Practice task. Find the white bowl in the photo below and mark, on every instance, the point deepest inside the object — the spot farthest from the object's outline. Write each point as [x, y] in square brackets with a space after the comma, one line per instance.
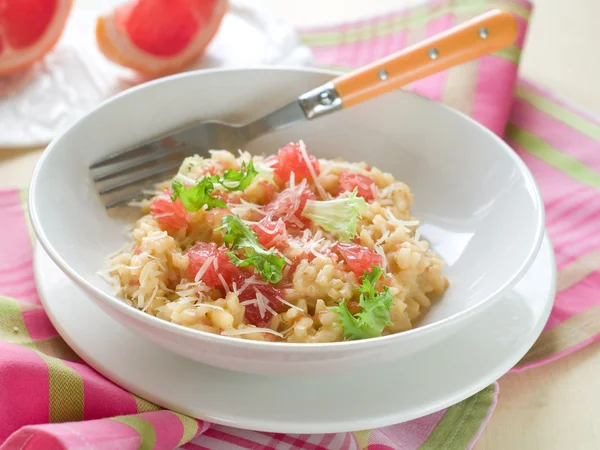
[478, 204]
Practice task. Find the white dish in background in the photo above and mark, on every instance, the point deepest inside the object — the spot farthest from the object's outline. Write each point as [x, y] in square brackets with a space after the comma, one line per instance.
[417, 385]
[478, 203]
[39, 104]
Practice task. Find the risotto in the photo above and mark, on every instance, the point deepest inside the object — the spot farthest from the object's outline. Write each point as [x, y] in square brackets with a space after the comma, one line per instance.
[287, 248]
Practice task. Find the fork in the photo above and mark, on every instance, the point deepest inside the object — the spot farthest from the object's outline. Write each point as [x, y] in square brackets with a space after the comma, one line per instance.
[122, 176]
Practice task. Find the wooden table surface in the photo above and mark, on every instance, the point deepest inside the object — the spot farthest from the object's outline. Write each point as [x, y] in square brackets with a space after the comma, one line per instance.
[554, 406]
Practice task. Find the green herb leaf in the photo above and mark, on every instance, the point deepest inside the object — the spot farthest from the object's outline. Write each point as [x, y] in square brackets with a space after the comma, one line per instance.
[338, 216]
[375, 314]
[238, 180]
[195, 197]
[238, 236]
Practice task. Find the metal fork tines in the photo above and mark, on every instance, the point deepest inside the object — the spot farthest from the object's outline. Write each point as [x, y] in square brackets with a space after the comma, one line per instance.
[122, 176]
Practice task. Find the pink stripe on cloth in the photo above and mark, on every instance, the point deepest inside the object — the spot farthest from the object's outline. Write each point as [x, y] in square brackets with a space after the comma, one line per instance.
[433, 86]
[16, 249]
[557, 189]
[558, 355]
[345, 55]
[496, 80]
[571, 202]
[38, 325]
[102, 397]
[554, 185]
[557, 134]
[574, 300]
[24, 389]
[167, 426]
[354, 24]
[408, 435]
[90, 435]
[522, 31]
[232, 437]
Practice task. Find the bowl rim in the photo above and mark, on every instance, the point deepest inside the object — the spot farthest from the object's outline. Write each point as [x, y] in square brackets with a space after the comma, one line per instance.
[150, 320]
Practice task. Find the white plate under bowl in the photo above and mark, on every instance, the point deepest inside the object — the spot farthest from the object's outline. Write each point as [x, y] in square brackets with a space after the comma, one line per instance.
[412, 387]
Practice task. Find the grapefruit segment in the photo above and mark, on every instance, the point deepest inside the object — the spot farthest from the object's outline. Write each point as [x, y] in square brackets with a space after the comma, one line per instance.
[158, 37]
[28, 30]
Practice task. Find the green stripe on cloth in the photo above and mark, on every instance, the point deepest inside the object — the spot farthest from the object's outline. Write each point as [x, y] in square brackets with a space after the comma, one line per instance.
[144, 405]
[362, 438]
[13, 330]
[143, 427]
[512, 53]
[66, 391]
[24, 197]
[416, 18]
[573, 331]
[190, 428]
[66, 385]
[539, 148]
[12, 326]
[461, 422]
[570, 118]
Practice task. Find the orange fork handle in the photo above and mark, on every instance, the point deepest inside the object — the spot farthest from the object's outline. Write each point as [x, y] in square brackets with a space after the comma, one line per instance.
[484, 34]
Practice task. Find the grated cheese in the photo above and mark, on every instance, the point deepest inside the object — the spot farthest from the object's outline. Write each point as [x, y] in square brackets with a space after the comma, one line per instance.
[271, 310]
[155, 236]
[222, 280]
[245, 207]
[316, 245]
[379, 250]
[311, 169]
[248, 282]
[388, 190]
[208, 305]
[288, 303]
[279, 253]
[374, 190]
[261, 302]
[203, 268]
[250, 331]
[149, 302]
[327, 165]
[166, 214]
[400, 223]
[384, 237]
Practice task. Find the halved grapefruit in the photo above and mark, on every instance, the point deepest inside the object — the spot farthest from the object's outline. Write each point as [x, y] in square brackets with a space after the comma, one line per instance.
[28, 30]
[158, 37]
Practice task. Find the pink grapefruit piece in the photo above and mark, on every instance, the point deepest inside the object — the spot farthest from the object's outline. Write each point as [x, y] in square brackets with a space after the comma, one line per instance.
[28, 30]
[158, 37]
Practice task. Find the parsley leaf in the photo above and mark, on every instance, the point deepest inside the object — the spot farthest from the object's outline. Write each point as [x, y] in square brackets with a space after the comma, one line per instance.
[375, 314]
[195, 197]
[238, 180]
[237, 236]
